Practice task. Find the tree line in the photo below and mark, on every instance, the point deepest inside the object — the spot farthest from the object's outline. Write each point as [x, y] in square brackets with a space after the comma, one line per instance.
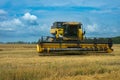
[18, 42]
[116, 40]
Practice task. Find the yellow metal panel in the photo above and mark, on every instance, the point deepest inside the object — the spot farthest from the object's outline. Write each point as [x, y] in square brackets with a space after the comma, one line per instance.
[80, 34]
[72, 23]
[57, 32]
[53, 31]
[39, 49]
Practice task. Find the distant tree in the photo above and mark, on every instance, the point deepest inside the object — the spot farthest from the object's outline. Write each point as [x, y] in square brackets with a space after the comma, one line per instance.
[33, 42]
[1, 42]
[116, 40]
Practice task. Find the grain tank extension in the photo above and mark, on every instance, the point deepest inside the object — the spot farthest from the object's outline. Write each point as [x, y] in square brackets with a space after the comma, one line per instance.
[69, 36]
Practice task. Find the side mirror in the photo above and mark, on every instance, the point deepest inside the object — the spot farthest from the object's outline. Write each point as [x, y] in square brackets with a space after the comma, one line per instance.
[84, 33]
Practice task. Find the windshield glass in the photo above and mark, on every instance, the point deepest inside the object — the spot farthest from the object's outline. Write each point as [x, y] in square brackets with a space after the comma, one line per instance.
[70, 30]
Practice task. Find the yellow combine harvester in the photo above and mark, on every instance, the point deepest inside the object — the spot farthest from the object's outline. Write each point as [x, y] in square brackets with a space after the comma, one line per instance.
[69, 37]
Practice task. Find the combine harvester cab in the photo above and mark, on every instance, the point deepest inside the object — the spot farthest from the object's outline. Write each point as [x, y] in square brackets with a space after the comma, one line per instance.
[69, 37]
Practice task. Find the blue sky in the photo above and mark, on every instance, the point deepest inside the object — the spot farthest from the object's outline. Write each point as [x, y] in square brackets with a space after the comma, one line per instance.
[27, 20]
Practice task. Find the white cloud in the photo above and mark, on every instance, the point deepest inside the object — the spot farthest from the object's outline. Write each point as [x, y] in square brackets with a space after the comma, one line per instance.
[28, 16]
[2, 11]
[92, 28]
[10, 24]
[44, 27]
[17, 22]
[14, 22]
[106, 11]
[6, 29]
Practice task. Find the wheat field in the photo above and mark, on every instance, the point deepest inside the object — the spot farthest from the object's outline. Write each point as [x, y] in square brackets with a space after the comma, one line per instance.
[22, 62]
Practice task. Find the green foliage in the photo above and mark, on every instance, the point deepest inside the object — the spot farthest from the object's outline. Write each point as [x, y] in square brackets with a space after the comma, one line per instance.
[20, 42]
[116, 40]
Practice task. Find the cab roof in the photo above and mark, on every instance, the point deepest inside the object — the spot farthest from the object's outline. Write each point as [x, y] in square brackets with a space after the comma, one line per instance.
[72, 23]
